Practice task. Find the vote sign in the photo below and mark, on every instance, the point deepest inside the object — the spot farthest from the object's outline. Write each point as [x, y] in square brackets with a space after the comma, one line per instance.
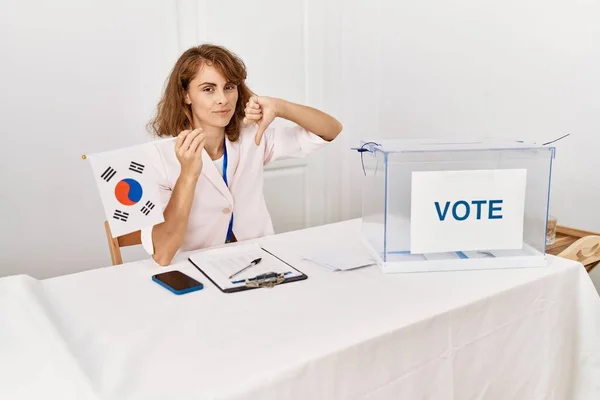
[467, 210]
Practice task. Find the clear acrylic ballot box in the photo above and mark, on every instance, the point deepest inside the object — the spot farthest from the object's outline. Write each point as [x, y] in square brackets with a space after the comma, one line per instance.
[433, 205]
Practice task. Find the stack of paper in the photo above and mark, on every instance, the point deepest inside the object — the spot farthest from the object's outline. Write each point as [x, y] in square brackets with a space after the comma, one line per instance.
[340, 256]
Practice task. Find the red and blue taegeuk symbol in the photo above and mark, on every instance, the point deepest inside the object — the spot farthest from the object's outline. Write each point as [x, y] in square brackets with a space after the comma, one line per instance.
[128, 191]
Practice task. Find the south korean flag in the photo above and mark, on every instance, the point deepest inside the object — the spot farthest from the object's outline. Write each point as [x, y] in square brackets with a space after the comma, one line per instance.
[128, 188]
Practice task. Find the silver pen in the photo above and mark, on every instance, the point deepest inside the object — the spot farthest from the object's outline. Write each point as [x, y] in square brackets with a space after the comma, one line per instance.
[253, 263]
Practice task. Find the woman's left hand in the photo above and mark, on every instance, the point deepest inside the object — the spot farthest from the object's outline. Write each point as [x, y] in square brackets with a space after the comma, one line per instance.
[262, 111]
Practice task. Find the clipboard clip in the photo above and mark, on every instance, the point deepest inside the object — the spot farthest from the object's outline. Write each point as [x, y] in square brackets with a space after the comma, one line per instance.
[267, 280]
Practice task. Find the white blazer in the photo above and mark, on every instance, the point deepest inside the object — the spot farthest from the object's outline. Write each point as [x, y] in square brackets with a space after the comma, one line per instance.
[214, 201]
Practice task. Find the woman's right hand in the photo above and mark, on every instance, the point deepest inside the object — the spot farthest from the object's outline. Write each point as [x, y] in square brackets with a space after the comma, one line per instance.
[188, 148]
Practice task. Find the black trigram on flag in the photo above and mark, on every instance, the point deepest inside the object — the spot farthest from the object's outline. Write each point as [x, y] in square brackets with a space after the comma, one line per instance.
[108, 174]
[147, 208]
[136, 167]
[121, 215]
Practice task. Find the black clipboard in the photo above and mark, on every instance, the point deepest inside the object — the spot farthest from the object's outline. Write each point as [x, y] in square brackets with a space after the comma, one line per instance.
[236, 289]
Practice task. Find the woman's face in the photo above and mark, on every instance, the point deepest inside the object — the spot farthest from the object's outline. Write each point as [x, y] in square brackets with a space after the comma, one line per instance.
[212, 98]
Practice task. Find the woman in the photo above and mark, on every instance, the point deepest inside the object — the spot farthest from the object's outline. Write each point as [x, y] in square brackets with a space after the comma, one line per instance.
[211, 176]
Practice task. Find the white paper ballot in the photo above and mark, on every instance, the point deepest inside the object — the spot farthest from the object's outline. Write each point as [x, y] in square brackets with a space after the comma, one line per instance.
[340, 256]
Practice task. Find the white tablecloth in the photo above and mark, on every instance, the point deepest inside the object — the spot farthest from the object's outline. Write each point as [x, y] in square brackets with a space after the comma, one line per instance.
[112, 333]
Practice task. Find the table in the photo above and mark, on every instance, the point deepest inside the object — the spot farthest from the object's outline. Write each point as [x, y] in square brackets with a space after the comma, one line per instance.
[112, 333]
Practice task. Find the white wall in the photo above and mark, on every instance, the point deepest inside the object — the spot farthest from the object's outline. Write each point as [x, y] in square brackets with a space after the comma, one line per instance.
[525, 69]
[75, 76]
[84, 76]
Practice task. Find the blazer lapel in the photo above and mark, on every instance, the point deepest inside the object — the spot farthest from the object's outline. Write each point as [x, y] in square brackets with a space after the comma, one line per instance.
[209, 170]
[233, 160]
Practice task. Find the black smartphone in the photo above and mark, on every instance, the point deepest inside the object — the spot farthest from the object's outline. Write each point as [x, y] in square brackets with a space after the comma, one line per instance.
[177, 282]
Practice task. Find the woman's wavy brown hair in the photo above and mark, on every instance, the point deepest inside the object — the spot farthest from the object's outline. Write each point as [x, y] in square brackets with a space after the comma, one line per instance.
[174, 116]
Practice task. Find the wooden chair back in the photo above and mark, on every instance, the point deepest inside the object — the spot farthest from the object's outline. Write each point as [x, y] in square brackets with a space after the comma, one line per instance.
[585, 250]
[115, 244]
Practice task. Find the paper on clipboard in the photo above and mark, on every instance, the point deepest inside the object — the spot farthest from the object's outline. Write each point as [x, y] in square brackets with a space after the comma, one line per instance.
[219, 264]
